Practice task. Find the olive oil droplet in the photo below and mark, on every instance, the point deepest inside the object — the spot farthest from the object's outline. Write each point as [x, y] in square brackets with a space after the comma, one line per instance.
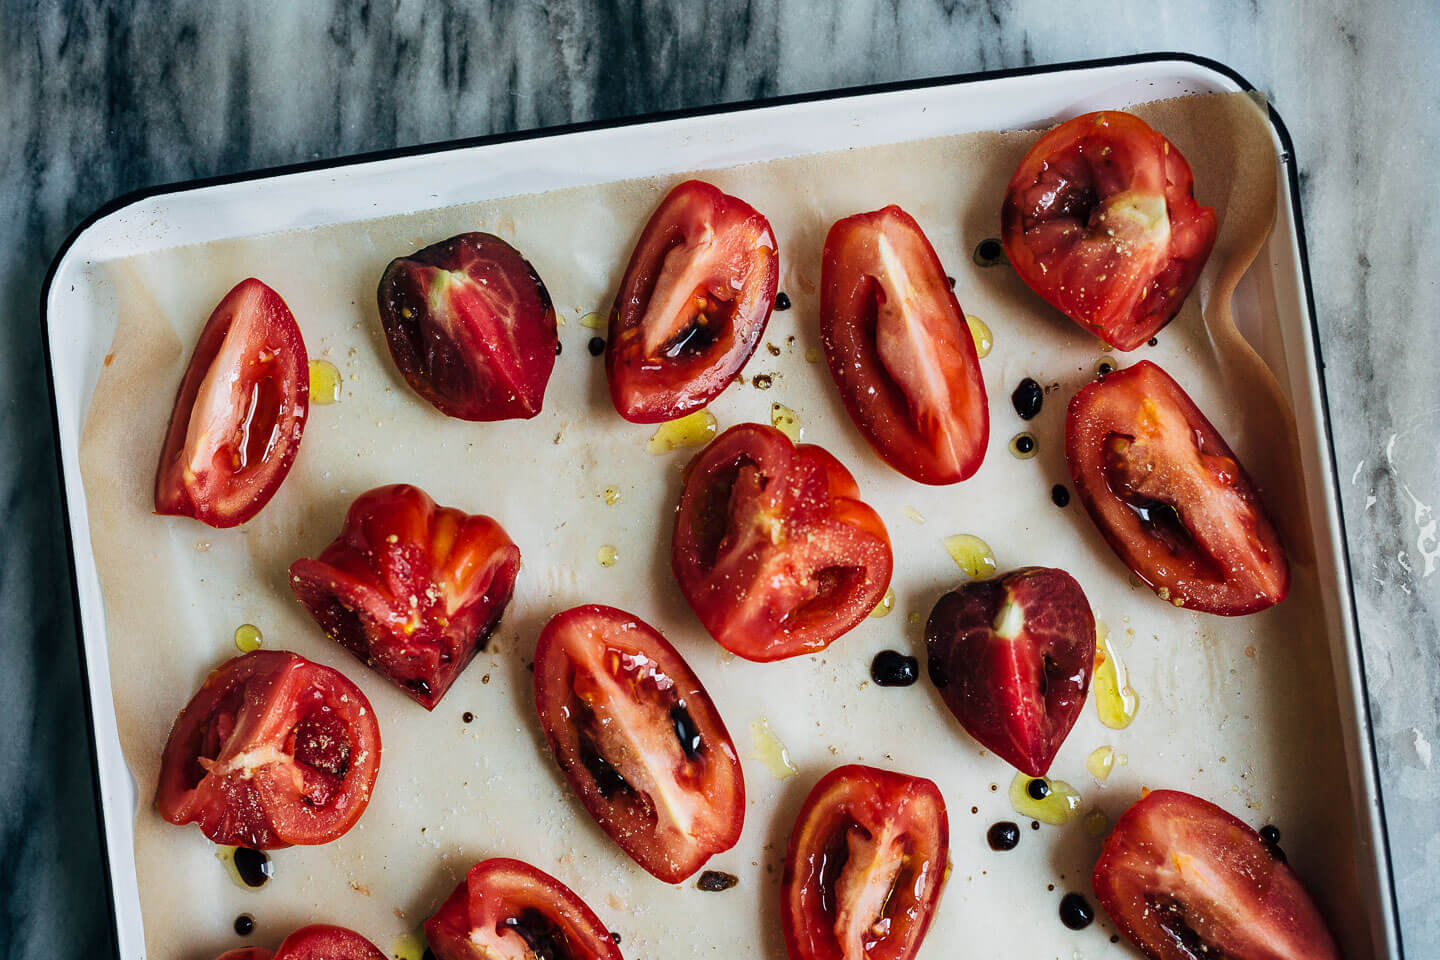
[1096, 824]
[912, 514]
[971, 554]
[1115, 700]
[980, 331]
[772, 752]
[607, 555]
[813, 355]
[787, 421]
[1059, 805]
[694, 430]
[1100, 762]
[611, 495]
[886, 604]
[324, 382]
[408, 946]
[593, 321]
[248, 637]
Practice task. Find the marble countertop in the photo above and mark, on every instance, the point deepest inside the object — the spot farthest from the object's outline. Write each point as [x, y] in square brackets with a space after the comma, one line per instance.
[102, 99]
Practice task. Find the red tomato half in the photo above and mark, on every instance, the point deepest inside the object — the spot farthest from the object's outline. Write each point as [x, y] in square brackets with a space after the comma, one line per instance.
[692, 305]
[239, 412]
[1169, 495]
[272, 750]
[508, 910]
[411, 588]
[639, 739]
[1100, 219]
[247, 953]
[1182, 879]
[321, 941]
[773, 548]
[865, 865]
[899, 348]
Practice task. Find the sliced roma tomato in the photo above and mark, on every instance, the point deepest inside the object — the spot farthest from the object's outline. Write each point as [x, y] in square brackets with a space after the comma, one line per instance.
[471, 327]
[899, 348]
[867, 858]
[1100, 219]
[1183, 879]
[321, 941]
[1012, 659]
[239, 412]
[692, 304]
[272, 750]
[413, 589]
[1169, 495]
[773, 548]
[508, 910]
[639, 739]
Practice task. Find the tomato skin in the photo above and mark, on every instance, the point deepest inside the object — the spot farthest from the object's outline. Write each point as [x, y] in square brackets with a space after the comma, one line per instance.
[272, 750]
[411, 588]
[894, 835]
[247, 953]
[1100, 220]
[700, 246]
[904, 359]
[773, 549]
[1178, 872]
[249, 378]
[611, 673]
[1142, 454]
[322, 941]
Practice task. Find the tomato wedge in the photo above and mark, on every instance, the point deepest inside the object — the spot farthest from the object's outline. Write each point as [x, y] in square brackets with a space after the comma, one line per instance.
[773, 548]
[1183, 879]
[1170, 496]
[239, 413]
[413, 589]
[866, 861]
[899, 349]
[1100, 219]
[508, 910]
[692, 304]
[272, 750]
[639, 739]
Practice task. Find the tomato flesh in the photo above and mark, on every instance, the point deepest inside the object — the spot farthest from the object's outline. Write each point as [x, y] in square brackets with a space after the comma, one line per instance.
[322, 941]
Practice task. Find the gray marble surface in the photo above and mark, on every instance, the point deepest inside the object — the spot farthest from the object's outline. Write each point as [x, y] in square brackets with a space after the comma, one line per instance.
[103, 98]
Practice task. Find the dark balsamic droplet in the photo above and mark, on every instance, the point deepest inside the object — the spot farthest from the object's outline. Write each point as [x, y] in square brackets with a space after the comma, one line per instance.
[989, 252]
[890, 668]
[614, 937]
[1075, 911]
[558, 347]
[429, 955]
[713, 881]
[951, 281]
[1004, 835]
[467, 716]
[254, 866]
[1060, 495]
[244, 925]
[1034, 824]
[597, 346]
[1028, 398]
[761, 381]
[1270, 833]
[782, 301]
[1153, 341]
[1038, 789]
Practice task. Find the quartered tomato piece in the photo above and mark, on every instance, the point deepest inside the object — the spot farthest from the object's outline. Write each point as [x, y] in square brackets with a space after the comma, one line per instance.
[692, 304]
[773, 548]
[239, 413]
[272, 750]
[867, 858]
[1169, 495]
[639, 739]
[1012, 659]
[471, 327]
[1183, 879]
[899, 349]
[508, 910]
[1100, 219]
[411, 588]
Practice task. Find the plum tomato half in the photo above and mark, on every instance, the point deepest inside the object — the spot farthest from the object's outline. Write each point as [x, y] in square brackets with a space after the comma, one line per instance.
[773, 548]
[239, 413]
[639, 739]
[899, 348]
[692, 304]
[865, 865]
[471, 327]
[1100, 220]
[1169, 495]
[272, 750]
[411, 588]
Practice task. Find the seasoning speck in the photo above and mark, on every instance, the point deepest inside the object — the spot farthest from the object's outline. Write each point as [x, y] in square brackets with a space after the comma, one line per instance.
[762, 381]
[713, 881]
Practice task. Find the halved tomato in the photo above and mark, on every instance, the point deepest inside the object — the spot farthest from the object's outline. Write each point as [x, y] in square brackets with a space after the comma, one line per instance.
[639, 739]
[508, 910]
[692, 304]
[865, 865]
[1183, 879]
[247, 953]
[239, 413]
[773, 548]
[1169, 495]
[899, 349]
[322, 941]
[1100, 219]
[272, 750]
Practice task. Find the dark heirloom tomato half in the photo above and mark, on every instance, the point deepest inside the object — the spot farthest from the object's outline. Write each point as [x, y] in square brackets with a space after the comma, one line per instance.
[692, 304]
[867, 858]
[1183, 879]
[239, 413]
[272, 750]
[508, 910]
[773, 548]
[411, 588]
[471, 327]
[639, 739]
[1169, 495]
[1100, 219]
[899, 349]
